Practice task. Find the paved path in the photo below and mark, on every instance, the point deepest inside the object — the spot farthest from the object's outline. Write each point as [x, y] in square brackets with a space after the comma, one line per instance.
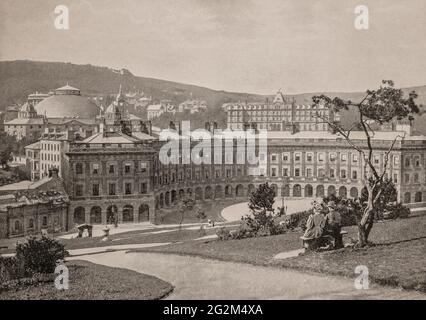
[236, 211]
[197, 278]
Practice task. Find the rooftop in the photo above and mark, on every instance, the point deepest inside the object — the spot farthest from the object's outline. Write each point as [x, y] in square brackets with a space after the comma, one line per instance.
[110, 137]
[35, 146]
[25, 121]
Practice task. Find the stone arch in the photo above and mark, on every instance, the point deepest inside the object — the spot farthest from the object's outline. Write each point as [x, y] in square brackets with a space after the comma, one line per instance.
[275, 188]
[208, 193]
[198, 193]
[285, 191]
[353, 192]
[157, 204]
[218, 192]
[251, 188]
[112, 213]
[239, 190]
[174, 196]
[79, 215]
[17, 225]
[343, 192]
[320, 191]
[143, 213]
[181, 194]
[167, 198]
[407, 197]
[95, 215]
[161, 200]
[418, 197]
[297, 190]
[128, 213]
[331, 190]
[309, 191]
[228, 191]
[189, 192]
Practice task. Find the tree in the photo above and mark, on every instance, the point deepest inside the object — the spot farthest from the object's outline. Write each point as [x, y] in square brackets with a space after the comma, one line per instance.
[382, 106]
[261, 206]
[186, 204]
[201, 215]
[5, 156]
[262, 199]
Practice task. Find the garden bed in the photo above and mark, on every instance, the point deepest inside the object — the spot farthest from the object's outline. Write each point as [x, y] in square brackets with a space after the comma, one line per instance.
[92, 281]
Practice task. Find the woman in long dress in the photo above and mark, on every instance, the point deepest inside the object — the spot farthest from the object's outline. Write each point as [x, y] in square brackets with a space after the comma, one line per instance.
[315, 224]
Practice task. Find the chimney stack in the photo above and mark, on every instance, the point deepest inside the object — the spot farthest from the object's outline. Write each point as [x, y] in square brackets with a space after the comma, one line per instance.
[102, 127]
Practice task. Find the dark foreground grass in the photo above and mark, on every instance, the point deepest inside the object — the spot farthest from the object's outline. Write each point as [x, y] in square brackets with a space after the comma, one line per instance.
[397, 259]
[96, 282]
[400, 264]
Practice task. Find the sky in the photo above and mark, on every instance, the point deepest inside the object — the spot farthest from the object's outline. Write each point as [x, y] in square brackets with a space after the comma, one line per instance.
[256, 46]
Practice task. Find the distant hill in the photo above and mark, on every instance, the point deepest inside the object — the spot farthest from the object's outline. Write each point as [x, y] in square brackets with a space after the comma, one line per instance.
[22, 77]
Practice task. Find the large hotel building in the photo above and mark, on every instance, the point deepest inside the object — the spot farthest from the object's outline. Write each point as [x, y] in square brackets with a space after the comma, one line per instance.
[278, 115]
[117, 172]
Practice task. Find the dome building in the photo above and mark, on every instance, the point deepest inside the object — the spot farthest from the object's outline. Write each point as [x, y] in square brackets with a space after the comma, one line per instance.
[67, 102]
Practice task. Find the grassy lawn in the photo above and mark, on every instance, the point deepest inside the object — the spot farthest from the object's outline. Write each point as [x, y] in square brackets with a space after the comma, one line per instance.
[92, 281]
[133, 238]
[397, 259]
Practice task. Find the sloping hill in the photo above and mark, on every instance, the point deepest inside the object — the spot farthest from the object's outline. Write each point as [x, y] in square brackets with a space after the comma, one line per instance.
[20, 78]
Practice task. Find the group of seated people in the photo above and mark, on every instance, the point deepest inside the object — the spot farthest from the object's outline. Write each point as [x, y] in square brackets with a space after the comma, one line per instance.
[324, 223]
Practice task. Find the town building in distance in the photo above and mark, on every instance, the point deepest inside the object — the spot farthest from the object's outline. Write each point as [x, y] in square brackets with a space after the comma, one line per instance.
[278, 115]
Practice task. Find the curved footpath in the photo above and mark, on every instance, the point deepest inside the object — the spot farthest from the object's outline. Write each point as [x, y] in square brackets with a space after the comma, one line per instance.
[199, 278]
[236, 211]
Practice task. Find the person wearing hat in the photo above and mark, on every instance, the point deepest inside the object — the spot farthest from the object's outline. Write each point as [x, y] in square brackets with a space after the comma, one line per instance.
[334, 224]
[315, 225]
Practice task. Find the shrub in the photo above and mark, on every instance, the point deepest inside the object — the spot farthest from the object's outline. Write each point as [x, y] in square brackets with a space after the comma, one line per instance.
[397, 211]
[297, 220]
[10, 269]
[223, 234]
[40, 255]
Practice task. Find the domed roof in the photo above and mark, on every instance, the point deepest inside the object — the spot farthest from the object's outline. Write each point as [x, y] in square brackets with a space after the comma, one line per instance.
[70, 106]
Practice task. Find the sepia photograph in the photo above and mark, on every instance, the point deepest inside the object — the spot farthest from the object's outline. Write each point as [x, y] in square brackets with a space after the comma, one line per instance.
[211, 155]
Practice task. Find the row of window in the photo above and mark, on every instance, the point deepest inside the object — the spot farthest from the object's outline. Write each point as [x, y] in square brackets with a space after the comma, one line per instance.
[50, 146]
[309, 157]
[416, 162]
[112, 189]
[165, 178]
[50, 157]
[111, 168]
[18, 224]
[415, 178]
[321, 173]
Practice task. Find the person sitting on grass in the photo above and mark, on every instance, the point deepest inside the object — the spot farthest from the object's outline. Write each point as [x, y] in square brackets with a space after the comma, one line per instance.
[315, 224]
[334, 224]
